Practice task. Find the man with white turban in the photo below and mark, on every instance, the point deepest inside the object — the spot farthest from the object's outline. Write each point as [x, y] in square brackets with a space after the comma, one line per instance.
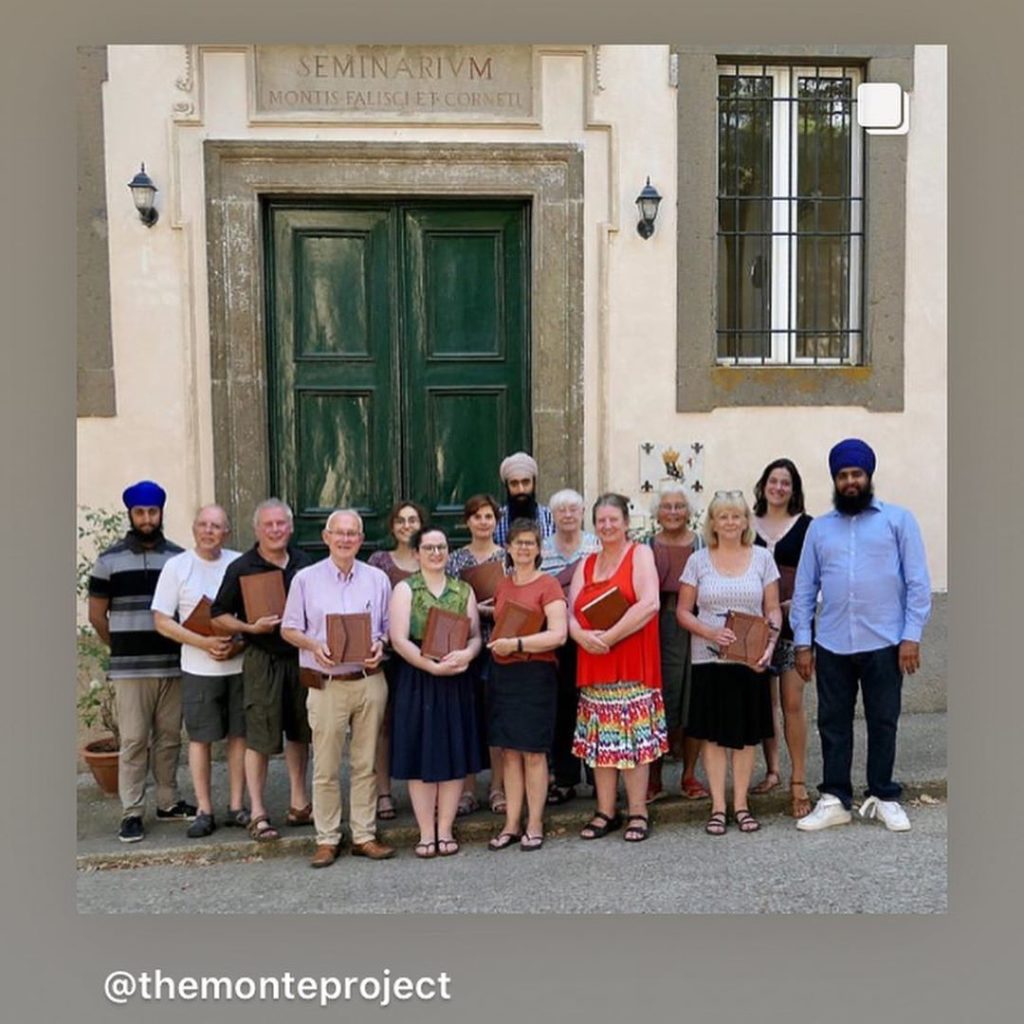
[518, 473]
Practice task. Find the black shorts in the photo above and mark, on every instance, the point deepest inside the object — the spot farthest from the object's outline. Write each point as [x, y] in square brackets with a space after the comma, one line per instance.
[212, 706]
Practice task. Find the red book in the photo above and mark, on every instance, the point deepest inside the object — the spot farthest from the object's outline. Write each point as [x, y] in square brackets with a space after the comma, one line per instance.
[604, 611]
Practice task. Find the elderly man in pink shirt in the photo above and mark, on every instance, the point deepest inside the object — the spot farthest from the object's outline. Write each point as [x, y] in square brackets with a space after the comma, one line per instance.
[341, 696]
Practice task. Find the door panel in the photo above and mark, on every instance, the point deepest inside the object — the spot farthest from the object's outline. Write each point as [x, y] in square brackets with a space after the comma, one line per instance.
[466, 354]
[398, 355]
[458, 421]
[332, 382]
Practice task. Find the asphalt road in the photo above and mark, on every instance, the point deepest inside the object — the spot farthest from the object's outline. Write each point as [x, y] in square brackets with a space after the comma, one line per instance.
[859, 868]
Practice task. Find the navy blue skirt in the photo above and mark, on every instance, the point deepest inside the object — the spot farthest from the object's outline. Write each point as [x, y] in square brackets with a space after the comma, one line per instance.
[435, 735]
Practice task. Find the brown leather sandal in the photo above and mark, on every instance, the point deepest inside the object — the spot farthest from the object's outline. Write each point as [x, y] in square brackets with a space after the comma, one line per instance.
[298, 816]
[800, 806]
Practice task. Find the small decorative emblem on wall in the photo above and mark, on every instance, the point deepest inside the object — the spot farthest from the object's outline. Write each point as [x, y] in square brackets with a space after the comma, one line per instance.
[683, 463]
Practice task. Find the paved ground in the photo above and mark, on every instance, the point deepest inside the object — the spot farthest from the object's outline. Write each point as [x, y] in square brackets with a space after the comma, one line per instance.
[860, 868]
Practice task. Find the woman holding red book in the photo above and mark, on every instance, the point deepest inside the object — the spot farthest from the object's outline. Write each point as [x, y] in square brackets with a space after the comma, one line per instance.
[620, 724]
[523, 685]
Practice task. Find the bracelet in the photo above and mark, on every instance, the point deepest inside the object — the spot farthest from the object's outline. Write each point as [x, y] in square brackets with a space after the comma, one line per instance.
[519, 645]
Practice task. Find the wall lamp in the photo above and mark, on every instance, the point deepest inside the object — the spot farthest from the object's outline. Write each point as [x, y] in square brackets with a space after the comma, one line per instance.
[144, 194]
[647, 203]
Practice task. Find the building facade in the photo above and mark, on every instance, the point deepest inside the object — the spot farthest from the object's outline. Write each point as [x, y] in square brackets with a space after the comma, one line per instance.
[378, 269]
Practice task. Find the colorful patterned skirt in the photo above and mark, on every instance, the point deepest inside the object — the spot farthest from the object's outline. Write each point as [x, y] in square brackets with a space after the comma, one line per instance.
[620, 725]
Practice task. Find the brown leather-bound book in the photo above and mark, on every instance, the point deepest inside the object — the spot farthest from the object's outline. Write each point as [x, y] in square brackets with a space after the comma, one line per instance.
[484, 578]
[787, 578]
[670, 560]
[752, 635]
[199, 620]
[445, 632]
[517, 620]
[263, 594]
[604, 611]
[349, 637]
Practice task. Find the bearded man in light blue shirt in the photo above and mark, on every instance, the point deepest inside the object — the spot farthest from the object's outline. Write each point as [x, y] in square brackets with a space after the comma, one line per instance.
[867, 560]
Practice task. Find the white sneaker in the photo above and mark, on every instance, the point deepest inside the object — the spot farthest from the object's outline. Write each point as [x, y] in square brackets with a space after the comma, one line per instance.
[828, 811]
[892, 814]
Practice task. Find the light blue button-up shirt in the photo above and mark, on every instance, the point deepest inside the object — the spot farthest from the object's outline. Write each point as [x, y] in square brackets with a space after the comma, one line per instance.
[873, 577]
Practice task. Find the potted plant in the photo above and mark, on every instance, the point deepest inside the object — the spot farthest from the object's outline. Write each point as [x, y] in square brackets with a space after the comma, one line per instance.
[96, 704]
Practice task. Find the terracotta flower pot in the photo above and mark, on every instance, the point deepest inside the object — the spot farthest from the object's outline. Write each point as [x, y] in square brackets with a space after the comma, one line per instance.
[102, 758]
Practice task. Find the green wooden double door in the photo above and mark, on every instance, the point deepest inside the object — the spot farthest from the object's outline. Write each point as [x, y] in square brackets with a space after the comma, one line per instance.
[398, 362]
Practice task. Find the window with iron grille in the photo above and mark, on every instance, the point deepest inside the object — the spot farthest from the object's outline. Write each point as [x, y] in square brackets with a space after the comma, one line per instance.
[790, 215]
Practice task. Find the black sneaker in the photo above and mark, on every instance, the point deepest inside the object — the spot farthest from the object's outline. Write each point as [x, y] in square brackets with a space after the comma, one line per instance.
[131, 830]
[181, 811]
[202, 826]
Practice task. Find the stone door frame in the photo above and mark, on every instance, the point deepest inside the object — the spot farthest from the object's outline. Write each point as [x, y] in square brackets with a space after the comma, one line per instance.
[239, 173]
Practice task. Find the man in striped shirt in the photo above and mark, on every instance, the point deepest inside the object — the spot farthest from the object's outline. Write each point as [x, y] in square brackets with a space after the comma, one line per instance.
[144, 666]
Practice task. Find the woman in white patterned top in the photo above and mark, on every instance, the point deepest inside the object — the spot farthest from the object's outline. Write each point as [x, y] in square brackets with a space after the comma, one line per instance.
[730, 704]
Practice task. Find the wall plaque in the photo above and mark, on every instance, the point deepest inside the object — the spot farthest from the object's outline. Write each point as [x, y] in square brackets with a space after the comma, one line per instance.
[393, 82]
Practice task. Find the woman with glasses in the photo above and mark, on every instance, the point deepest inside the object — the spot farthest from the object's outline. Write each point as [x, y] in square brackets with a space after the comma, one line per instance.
[780, 523]
[730, 704]
[673, 544]
[435, 742]
[620, 725]
[560, 552]
[522, 689]
[404, 519]
[480, 514]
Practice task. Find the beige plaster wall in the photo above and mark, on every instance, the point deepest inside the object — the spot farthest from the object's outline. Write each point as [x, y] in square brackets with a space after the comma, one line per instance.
[159, 110]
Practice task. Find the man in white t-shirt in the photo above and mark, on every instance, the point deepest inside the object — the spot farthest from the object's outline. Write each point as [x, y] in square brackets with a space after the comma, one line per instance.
[211, 665]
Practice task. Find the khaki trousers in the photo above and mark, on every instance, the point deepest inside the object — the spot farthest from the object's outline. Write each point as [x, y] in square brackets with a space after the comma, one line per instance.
[358, 703]
[149, 715]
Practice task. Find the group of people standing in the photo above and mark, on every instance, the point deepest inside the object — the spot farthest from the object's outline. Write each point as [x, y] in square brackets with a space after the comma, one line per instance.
[622, 667]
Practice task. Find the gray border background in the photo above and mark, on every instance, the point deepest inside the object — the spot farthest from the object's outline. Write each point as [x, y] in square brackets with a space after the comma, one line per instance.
[954, 967]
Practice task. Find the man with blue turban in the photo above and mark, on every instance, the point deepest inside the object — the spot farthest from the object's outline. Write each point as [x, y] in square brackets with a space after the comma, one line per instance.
[867, 560]
[144, 666]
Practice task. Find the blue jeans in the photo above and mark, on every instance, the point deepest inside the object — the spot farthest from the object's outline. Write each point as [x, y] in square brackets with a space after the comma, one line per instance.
[881, 682]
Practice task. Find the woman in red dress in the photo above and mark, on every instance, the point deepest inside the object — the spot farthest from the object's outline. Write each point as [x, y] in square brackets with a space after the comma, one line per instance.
[620, 724]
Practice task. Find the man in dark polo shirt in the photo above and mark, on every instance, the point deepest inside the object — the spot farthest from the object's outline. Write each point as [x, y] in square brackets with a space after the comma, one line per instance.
[144, 666]
[275, 701]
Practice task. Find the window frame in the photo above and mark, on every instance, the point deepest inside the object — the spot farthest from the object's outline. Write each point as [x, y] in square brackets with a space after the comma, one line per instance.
[703, 384]
[785, 239]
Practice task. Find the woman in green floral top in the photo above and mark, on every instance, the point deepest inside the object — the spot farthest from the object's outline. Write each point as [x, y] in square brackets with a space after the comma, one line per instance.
[435, 740]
